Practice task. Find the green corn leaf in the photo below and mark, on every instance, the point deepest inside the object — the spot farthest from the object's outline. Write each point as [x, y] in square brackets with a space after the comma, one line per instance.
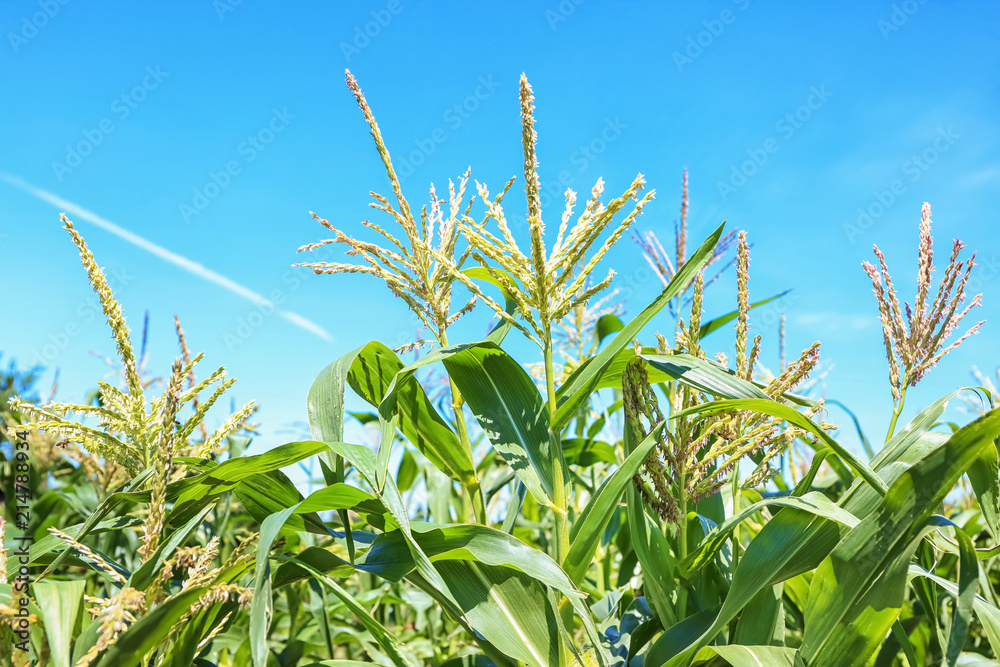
[585, 452]
[739, 655]
[762, 621]
[811, 503]
[506, 403]
[582, 383]
[987, 614]
[468, 661]
[480, 544]
[94, 519]
[50, 543]
[264, 494]
[700, 374]
[855, 590]
[606, 325]
[371, 372]
[59, 605]
[792, 542]
[192, 495]
[985, 478]
[585, 535]
[261, 607]
[968, 580]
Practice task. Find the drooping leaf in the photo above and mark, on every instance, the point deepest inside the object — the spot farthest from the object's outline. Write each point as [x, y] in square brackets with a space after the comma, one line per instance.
[507, 405]
[580, 385]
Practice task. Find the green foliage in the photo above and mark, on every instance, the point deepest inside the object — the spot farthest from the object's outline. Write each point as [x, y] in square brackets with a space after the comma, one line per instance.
[637, 505]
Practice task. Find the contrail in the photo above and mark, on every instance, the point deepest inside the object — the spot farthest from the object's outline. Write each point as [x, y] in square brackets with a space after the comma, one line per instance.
[184, 263]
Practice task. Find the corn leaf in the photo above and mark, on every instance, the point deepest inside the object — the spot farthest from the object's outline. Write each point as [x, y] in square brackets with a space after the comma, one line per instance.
[857, 590]
[582, 383]
[59, 605]
[585, 535]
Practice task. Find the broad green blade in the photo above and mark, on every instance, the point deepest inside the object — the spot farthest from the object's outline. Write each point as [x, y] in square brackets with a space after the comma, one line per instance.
[856, 590]
[585, 535]
[581, 384]
[909, 435]
[472, 542]
[468, 661]
[50, 543]
[102, 511]
[739, 655]
[701, 374]
[506, 403]
[985, 478]
[812, 503]
[372, 375]
[192, 495]
[262, 606]
[988, 614]
[709, 377]
[792, 542]
[968, 581]
[762, 621]
[606, 325]
[264, 494]
[510, 609]
[461, 593]
[59, 605]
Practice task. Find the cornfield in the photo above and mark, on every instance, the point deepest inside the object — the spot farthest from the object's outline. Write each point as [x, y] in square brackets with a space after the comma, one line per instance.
[627, 497]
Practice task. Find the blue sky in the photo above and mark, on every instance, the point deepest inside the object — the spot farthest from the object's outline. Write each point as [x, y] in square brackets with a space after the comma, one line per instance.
[207, 131]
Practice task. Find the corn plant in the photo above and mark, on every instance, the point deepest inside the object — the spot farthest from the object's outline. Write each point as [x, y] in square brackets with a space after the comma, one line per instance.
[607, 502]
